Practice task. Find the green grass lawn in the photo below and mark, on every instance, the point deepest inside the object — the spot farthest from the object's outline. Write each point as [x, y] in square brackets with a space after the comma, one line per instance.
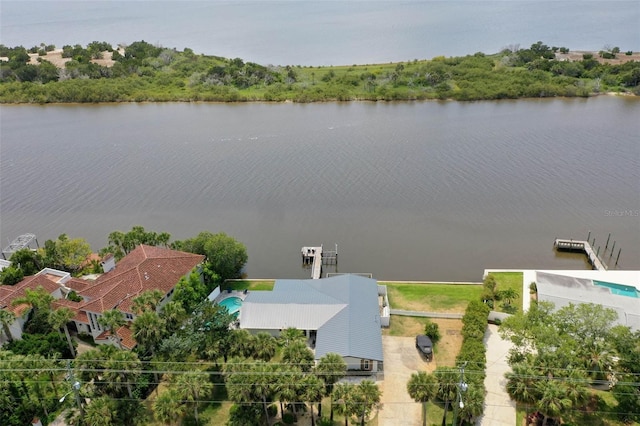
[257, 285]
[432, 297]
[511, 280]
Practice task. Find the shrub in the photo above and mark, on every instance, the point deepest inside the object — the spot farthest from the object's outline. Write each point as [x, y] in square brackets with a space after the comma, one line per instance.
[432, 330]
[533, 287]
[288, 418]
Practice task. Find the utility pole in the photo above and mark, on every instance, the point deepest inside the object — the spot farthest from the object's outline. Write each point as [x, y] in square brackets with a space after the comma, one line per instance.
[76, 389]
[462, 387]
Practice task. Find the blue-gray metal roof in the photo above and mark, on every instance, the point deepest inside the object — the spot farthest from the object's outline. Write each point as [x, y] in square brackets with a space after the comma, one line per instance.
[562, 290]
[343, 309]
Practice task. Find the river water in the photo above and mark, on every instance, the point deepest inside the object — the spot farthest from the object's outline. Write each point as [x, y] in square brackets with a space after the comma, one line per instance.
[415, 190]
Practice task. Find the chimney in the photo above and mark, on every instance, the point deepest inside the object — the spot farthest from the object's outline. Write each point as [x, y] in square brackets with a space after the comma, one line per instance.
[108, 263]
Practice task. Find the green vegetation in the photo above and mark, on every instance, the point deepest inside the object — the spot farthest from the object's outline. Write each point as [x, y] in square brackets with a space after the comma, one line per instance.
[149, 73]
[557, 357]
[505, 287]
[431, 297]
[253, 285]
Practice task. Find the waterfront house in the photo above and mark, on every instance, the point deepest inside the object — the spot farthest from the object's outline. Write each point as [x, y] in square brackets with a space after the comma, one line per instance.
[144, 268]
[340, 314]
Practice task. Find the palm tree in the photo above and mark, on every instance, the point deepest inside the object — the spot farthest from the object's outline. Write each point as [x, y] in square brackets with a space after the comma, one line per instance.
[508, 294]
[423, 387]
[112, 320]
[312, 388]
[264, 384]
[241, 343]
[121, 370]
[100, 412]
[553, 399]
[173, 314]
[192, 386]
[7, 318]
[290, 335]
[575, 385]
[40, 302]
[148, 330]
[59, 319]
[148, 300]
[367, 397]
[330, 368]
[297, 353]
[521, 383]
[343, 395]
[598, 359]
[473, 403]
[168, 407]
[264, 346]
[287, 387]
[447, 388]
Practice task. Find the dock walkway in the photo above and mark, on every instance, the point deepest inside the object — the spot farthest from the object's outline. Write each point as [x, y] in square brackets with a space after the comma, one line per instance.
[313, 255]
[581, 246]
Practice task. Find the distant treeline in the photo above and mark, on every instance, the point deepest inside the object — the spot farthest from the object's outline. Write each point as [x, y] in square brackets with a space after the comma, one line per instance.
[149, 73]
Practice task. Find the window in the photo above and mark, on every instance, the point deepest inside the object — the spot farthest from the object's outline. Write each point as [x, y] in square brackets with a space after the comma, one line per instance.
[365, 364]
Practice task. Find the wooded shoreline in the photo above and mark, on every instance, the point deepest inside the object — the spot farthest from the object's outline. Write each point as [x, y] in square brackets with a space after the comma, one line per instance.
[142, 72]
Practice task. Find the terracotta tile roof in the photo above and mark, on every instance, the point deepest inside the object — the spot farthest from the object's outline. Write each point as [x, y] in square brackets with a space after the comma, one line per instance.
[9, 293]
[145, 268]
[77, 307]
[124, 333]
[78, 285]
[126, 337]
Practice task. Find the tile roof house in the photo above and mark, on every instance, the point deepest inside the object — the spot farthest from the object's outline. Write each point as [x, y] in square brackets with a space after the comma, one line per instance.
[144, 268]
[8, 293]
[341, 313]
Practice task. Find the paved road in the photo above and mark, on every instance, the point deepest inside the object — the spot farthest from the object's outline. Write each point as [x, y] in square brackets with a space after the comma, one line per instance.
[401, 359]
[499, 410]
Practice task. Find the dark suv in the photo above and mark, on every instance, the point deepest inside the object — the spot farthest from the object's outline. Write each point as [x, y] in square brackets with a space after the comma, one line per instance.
[424, 345]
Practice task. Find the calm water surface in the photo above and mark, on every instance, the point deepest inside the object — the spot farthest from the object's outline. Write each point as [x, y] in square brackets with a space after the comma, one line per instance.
[433, 190]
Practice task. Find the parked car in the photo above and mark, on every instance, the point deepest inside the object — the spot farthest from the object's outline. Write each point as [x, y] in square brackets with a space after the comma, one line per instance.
[425, 346]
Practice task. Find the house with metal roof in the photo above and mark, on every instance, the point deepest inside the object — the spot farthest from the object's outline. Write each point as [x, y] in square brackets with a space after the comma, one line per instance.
[617, 291]
[340, 314]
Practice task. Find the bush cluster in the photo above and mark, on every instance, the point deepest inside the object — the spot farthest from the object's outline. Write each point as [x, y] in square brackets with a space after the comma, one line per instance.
[473, 352]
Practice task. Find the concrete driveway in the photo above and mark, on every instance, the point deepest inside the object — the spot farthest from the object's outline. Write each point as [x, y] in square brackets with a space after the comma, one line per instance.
[499, 410]
[401, 359]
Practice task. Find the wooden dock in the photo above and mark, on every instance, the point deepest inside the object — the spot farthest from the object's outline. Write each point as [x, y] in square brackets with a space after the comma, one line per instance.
[583, 247]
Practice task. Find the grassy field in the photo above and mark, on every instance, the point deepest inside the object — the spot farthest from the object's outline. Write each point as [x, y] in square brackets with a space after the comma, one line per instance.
[432, 297]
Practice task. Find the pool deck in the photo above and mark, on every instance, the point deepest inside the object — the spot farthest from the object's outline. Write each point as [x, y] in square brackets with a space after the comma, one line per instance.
[233, 293]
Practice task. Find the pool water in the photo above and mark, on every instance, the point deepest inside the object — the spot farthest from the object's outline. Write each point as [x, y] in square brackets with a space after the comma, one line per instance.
[619, 289]
[232, 304]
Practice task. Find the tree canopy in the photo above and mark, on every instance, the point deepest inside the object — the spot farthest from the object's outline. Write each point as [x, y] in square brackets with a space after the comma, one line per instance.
[225, 256]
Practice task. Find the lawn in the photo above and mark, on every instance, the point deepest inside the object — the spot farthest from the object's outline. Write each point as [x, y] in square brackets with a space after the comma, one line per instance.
[511, 280]
[432, 297]
[255, 285]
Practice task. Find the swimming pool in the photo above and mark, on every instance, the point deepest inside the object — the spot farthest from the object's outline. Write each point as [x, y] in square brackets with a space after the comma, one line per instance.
[619, 289]
[232, 304]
